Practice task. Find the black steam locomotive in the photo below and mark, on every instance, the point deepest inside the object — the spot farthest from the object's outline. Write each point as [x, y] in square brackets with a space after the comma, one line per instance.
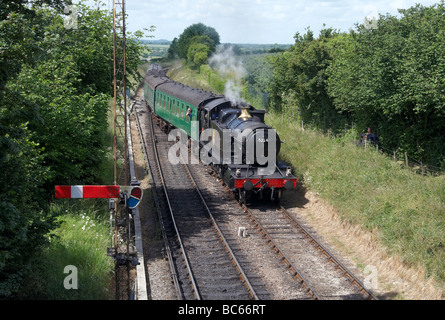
[233, 137]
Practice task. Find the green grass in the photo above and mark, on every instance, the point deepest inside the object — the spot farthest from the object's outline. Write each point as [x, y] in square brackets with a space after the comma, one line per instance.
[205, 78]
[370, 189]
[81, 241]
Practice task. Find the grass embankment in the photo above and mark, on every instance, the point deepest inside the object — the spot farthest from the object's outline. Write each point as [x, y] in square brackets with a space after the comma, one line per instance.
[205, 79]
[406, 210]
[80, 241]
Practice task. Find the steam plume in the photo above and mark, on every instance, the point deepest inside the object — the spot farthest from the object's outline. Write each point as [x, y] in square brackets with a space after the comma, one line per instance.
[229, 66]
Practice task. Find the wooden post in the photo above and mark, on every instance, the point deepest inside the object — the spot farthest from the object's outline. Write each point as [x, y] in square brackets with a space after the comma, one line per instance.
[406, 160]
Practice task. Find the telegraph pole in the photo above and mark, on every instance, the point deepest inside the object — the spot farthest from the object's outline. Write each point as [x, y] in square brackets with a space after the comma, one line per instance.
[120, 144]
[120, 89]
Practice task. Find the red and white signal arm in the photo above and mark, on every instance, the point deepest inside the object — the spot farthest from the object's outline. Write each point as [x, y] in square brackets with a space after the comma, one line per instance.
[133, 194]
[82, 192]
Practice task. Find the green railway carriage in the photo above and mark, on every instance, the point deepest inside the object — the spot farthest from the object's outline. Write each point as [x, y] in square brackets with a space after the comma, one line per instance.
[176, 103]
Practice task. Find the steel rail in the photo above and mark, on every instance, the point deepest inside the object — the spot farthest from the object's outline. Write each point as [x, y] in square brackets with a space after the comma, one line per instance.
[331, 257]
[158, 209]
[243, 276]
[178, 235]
[186, 260]
[297, 273]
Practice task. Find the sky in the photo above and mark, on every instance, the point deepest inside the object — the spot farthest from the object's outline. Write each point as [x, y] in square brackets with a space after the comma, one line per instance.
[255, 21]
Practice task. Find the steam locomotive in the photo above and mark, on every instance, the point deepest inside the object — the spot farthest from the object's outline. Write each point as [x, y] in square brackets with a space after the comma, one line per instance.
[232, 136]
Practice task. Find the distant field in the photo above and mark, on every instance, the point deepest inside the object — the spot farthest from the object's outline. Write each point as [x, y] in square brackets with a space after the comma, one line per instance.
[156, 51]
[258, 48]
[159, 50]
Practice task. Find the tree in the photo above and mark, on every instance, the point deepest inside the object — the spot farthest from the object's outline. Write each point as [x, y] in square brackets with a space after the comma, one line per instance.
[54, 91]
[199, 49]
[172, 52]
[391, 79]
[23, 220]
[300, 74]
[198, 54]
[187, 38]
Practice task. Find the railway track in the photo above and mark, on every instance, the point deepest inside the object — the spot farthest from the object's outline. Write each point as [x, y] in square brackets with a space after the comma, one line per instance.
[210, 260]
[328, 277]
[209, 269]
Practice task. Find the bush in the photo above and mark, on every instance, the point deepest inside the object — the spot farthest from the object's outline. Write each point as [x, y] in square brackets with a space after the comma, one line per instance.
[214, 80]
